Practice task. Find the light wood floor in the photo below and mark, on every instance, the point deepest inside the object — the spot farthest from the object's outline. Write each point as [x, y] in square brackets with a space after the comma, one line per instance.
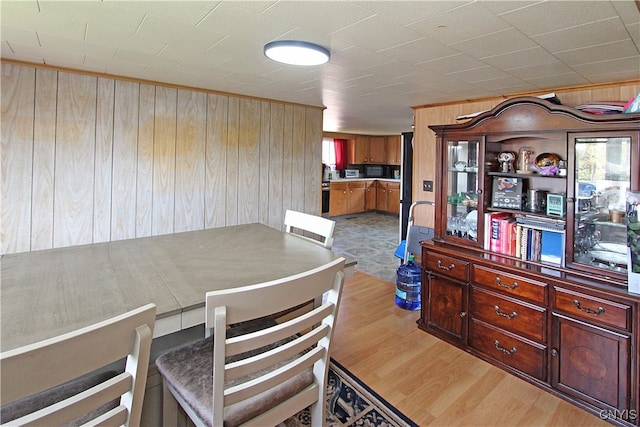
[430, 381]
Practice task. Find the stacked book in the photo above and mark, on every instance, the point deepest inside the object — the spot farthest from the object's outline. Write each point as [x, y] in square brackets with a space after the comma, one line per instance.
[603, 107]
[527, 237]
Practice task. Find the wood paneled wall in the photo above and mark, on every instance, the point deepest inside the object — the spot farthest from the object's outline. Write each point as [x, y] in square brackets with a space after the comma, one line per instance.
[89, 159]
[424, 149]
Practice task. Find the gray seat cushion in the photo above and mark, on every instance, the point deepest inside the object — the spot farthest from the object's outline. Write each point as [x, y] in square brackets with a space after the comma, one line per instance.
[41, 400]
[189, 371]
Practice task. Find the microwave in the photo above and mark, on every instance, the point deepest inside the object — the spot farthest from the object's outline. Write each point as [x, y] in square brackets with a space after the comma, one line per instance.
[375, 171]
[352, 173]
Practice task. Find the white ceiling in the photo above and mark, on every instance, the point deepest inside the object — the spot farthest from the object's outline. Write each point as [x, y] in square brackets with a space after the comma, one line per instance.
[387, 56]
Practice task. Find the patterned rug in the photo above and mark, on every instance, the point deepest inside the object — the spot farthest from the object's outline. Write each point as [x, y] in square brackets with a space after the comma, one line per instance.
[350, 402]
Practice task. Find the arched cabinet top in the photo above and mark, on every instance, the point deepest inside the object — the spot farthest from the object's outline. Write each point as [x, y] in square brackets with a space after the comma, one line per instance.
[531, 114]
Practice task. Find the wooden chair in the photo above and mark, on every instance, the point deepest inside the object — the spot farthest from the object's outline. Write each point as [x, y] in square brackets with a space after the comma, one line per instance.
[63, 380]
[298, 222]
[256, 375]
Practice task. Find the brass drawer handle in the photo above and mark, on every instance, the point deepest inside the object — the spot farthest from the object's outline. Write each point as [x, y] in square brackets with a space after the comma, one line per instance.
[504, 350]
[503, 285]
[445, 267]
[500, 313]
[588, 310]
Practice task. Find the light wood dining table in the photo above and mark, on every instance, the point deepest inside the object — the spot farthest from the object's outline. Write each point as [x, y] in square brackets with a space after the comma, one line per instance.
[50, 292]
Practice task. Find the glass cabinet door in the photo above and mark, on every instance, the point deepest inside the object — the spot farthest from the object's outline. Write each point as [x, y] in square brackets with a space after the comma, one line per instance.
[602, 178]
[461, 170]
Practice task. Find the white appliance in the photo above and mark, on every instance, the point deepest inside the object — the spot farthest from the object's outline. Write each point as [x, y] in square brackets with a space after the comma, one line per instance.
[352, 173]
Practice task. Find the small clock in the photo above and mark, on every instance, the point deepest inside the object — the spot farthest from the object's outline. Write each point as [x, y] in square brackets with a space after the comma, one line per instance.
[555, 204]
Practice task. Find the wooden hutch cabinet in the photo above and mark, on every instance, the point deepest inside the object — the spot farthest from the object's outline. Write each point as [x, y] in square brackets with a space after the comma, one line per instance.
[528, 266]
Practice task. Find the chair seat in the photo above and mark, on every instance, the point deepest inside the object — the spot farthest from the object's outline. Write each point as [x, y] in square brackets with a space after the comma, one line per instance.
[187, 370]
[30, 404]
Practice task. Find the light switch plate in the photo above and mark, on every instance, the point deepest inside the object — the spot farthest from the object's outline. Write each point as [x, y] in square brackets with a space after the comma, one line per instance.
[427, 185]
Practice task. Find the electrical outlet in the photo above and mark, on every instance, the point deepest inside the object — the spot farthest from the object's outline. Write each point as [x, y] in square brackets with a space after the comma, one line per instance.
[427, 186]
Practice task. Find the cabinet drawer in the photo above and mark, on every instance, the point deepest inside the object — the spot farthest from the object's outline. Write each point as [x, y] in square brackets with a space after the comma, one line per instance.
[521, 318]
[592, 308]
[447, 266]
[516, 352]
[511, 284]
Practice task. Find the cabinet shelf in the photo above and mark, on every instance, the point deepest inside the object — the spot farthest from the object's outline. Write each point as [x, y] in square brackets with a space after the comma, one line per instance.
[525, 175]
[520, 212]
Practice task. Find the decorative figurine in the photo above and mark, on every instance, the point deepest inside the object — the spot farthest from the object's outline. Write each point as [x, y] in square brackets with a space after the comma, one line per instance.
[506, 159]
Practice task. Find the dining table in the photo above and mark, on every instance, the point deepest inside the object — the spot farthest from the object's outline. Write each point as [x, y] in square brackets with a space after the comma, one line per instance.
[49, 292]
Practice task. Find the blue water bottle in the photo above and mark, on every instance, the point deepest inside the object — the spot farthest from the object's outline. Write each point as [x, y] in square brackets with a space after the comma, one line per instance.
[408, 282]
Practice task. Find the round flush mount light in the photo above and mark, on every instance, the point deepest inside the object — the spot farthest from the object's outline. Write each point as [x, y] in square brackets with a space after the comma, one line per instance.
[296, 52]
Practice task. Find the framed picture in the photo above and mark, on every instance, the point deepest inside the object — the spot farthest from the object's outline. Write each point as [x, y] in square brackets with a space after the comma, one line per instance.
[507, 193]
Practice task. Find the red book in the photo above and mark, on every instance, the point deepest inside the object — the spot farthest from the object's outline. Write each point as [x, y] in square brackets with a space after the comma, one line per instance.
[505, 235]
[494, 228]
[513, 234]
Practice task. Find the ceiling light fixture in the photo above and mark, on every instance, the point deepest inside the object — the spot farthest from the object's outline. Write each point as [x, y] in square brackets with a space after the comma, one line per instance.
[296, 52]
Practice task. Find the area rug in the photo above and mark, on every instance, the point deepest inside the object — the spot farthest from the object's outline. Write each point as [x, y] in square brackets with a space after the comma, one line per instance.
[350, 402]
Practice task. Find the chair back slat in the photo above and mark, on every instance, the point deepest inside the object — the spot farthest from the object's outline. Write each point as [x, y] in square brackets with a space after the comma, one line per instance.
[299, 222]
[80, 404]
[295, 290]
[258, 339]
[115, 417]
[269, 380]
[279, 354]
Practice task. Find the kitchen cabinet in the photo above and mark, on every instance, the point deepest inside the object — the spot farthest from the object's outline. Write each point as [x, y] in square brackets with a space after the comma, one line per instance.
[338, 198]
[393, 200]
[346, 198]
[370, 196]
[367, 150]
[382, 196]
[359, 150]
[566, 323]
[377, 150]
[388, 197]
[356, 198]
[393, 150]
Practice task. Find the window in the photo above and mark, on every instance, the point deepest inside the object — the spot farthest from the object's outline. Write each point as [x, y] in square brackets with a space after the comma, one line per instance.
[328, 152]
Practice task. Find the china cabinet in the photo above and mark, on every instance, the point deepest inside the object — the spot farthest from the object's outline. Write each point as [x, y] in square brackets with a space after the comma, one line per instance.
[528, 266]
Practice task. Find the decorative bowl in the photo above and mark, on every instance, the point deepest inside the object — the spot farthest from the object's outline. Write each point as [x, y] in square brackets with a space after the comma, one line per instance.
[547, 159]
[550, 170]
